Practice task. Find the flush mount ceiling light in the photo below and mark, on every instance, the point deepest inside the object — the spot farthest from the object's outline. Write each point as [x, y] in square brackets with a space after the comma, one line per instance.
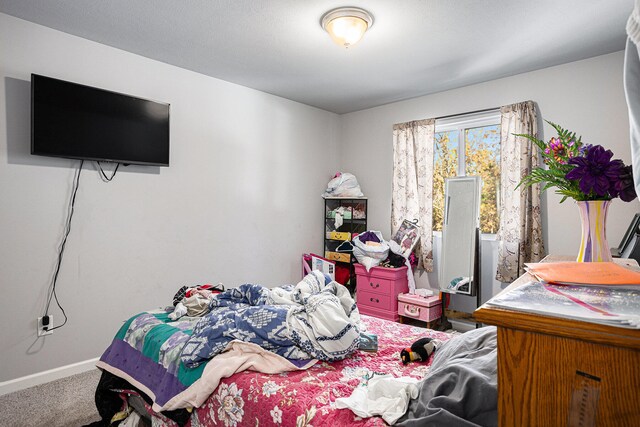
[347, 25]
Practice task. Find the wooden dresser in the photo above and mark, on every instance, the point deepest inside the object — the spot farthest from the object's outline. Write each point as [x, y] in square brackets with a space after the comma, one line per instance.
[561, 372]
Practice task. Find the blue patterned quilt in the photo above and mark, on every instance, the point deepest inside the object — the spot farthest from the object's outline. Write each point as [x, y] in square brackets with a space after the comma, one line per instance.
[164, 359]
[146, 352]
[243, 314]
[316, 319]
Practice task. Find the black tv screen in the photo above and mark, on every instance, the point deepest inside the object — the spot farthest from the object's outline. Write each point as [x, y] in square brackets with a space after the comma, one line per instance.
[82, 122]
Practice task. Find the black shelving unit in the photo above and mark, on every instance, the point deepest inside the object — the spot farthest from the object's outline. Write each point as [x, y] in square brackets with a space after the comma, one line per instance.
[352, 212]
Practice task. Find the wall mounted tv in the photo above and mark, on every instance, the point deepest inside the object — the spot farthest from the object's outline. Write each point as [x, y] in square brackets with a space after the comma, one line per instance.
[82, 122]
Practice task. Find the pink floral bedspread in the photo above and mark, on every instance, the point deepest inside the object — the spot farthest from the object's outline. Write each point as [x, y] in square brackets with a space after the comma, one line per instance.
[306, 398]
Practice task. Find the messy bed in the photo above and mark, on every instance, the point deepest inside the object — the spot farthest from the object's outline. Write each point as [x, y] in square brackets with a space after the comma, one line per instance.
[290, 356]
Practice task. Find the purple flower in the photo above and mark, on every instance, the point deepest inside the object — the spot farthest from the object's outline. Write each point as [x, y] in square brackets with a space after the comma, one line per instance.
[624, 187]
[582, 151]
[596, 171]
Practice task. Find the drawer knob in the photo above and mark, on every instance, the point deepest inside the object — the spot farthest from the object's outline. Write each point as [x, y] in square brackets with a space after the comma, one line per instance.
[376, 286]
[376, 300]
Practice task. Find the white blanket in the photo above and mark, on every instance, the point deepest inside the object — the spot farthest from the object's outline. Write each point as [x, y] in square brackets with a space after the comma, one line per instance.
[324, 320]
[382, 395]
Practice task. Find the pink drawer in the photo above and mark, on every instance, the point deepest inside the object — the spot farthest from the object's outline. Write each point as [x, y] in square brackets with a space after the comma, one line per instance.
[376, 312]
[376, 300]
[375, 284]
[420, 312]
[381, 272]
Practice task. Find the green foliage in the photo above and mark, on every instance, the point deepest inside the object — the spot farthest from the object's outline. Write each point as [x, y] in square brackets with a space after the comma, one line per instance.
[481, 158]
[482, 148]
[556, 155]
[445, 166]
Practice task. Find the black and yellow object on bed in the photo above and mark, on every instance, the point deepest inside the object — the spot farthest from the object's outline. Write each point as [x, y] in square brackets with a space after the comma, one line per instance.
[419, 351]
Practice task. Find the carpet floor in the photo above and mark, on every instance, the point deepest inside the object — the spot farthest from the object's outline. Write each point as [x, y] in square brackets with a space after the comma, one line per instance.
[67, 402]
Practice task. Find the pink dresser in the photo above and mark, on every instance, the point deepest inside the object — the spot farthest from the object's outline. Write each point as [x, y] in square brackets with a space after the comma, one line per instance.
[377, 290]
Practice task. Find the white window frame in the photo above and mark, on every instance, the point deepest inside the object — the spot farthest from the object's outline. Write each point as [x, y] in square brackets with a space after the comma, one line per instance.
[461, 123]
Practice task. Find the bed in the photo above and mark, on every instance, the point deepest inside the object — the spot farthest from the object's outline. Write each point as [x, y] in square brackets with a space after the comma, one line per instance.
[302, 397]
[246, 384]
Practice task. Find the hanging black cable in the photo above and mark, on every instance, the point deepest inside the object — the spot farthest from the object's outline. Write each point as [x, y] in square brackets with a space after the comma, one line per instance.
[104, 175]
[52, 293]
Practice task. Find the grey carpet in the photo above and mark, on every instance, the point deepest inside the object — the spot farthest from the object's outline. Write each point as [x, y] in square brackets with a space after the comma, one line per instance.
[67, 402]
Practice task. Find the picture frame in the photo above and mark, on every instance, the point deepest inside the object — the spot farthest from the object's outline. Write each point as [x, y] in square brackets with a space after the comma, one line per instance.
[407, 236]
[312, 262]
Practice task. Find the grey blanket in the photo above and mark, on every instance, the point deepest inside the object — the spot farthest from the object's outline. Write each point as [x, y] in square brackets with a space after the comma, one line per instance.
[461, 387]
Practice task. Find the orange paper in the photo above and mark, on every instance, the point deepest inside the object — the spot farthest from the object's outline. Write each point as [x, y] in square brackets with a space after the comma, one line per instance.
[584, 273]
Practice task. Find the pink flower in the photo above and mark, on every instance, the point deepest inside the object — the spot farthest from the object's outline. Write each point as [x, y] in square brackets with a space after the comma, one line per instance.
[231, 404]
[558, 149]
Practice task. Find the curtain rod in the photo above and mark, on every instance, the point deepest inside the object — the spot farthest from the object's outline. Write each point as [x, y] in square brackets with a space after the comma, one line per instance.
[467, 113]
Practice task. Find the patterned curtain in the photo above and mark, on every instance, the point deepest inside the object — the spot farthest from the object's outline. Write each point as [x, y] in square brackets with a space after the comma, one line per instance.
[520, 232]
[412, 185]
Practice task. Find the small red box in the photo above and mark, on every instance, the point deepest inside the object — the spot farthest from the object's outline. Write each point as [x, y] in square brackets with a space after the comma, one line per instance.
[426, 309]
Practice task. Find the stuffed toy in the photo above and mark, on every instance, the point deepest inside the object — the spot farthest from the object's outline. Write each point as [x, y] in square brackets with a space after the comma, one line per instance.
[419, 350]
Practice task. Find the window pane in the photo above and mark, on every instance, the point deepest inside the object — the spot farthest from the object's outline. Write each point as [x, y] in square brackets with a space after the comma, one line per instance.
[445, 165]
[482, 157]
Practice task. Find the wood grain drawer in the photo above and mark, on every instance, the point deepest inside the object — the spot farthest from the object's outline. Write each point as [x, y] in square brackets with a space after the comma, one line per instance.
[374, 284]
[376, 300]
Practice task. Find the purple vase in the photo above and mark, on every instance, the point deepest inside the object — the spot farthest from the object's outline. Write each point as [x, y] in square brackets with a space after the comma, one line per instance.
[594, 245]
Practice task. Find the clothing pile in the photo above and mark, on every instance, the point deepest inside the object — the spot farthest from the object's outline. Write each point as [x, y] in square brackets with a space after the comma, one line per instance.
[345, 212]
[179, 363]
[459, 389]
[315, 319]
[371, 250]
[343, 184]
[193, 301]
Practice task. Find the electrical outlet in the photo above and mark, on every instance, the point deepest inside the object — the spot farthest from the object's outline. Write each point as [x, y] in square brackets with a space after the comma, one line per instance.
[45, 329]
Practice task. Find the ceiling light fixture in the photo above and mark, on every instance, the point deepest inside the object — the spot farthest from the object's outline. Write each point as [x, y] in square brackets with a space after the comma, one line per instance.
[347, 25]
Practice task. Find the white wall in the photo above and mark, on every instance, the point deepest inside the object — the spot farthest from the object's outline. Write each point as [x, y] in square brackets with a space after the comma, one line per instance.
[585, 96]
[239, 203]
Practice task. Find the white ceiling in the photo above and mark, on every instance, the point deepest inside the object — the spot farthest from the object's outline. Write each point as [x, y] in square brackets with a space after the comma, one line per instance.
[415, 47]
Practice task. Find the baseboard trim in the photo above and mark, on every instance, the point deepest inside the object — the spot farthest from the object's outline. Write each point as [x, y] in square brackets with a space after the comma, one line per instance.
[46, 376]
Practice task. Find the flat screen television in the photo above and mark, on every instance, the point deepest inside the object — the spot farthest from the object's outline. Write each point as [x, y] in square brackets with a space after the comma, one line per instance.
[82, 122]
